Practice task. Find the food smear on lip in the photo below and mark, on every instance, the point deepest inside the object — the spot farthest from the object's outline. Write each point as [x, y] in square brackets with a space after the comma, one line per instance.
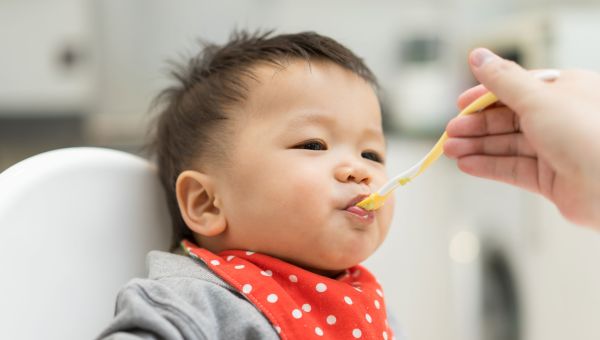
[359, 211]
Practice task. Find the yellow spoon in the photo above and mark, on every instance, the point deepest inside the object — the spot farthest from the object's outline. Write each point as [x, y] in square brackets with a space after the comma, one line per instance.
[377, 199]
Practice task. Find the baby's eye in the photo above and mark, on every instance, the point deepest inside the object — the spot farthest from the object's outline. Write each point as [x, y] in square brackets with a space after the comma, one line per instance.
[312, 145]
[373, 156]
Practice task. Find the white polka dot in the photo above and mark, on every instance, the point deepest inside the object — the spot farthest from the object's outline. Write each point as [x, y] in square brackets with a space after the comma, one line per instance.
[331, 320]
[306, 307]
[368, 317]
[318, 331]
[356, 273]
[266, 273]
[356, 333]
[249, 252]
[377, 305]
[247, 288]
[348, 300]
[379, 292]
[321, 287]
[297, 314]
[272, 298]
[278, 329]
[358, 289]
[384, 335]
[215, 262]
[230, 257]
[239, 266]
[293, 278]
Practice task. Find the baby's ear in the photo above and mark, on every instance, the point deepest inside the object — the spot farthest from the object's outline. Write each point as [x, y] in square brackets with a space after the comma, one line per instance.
[198, 204]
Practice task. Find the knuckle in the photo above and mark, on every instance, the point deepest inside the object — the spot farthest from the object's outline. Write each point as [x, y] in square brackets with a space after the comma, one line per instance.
[497, 69]
[514, 171]
[513, 146]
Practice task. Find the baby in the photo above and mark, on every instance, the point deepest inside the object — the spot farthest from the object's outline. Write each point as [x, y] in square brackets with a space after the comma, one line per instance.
[264, 147]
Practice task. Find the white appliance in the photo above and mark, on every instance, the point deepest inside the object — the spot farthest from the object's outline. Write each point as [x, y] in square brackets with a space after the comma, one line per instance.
[559, 38]
[47, 60]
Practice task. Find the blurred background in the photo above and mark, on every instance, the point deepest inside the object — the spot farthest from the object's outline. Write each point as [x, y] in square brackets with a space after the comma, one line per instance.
[466, 258]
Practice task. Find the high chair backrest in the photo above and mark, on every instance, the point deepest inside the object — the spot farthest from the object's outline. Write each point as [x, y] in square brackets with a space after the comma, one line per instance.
[75, 225]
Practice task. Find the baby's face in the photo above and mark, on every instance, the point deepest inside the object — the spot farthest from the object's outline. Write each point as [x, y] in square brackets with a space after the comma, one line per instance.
[308, 145]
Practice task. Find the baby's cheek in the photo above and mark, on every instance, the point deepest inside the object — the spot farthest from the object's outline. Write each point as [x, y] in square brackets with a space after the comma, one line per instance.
[306, 188]
[386, 214]
[307, 204]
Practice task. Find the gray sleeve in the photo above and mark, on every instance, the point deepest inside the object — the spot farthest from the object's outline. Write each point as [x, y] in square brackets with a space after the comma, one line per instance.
[184, 309]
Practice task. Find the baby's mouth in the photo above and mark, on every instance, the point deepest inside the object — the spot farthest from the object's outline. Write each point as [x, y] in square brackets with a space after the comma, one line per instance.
[358, 211]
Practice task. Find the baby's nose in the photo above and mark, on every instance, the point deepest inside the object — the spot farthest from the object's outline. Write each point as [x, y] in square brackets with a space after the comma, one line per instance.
[352, 173]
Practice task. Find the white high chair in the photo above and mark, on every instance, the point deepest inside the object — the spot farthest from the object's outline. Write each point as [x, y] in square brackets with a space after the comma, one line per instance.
[75, 225]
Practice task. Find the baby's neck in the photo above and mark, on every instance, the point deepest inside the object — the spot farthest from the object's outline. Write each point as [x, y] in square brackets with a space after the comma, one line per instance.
[217, 248]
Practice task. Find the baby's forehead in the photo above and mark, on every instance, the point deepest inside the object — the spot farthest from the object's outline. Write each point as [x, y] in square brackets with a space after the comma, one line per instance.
[300, 91]
[295, 77]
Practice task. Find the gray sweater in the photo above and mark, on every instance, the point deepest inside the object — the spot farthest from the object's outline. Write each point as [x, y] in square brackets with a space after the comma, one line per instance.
[183, 299]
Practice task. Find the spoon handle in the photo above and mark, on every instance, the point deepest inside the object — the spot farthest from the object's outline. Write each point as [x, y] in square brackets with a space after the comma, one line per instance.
[437, 150]
[377, 199]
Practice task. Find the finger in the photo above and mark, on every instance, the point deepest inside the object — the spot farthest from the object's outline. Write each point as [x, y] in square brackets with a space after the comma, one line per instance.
[492, 121]
[513, 144]
[470, 95]
[519, 171]
[507, 80]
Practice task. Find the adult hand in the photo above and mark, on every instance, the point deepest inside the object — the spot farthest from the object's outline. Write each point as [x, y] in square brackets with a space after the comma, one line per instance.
[541, 136]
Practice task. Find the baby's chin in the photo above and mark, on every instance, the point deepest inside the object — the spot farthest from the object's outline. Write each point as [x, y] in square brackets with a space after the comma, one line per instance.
[329, 266]
[326, 271]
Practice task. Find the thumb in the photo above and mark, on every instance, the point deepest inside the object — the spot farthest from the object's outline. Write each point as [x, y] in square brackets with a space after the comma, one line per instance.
[507, 80]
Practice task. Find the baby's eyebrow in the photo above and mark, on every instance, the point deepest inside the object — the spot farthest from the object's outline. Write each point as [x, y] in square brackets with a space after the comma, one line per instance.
[376, 134]
[312, 117]
[327, 120]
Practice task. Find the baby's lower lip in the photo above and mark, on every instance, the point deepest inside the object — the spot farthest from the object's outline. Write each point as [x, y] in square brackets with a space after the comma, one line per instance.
[361, 213]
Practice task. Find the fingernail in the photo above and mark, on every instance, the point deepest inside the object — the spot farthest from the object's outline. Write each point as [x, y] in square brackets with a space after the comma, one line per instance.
[481, 56]
[547, 75]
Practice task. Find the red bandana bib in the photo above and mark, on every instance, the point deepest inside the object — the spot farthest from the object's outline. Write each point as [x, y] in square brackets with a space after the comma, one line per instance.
[301, 304]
